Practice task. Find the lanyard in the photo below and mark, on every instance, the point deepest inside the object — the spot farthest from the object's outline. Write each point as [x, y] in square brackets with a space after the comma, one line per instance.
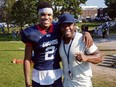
[67, 54]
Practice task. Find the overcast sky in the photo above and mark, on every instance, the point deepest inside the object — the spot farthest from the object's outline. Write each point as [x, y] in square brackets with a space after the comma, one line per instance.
[99, 3]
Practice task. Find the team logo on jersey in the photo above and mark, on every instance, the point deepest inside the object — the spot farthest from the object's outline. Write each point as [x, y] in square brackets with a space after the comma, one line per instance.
[49, 43]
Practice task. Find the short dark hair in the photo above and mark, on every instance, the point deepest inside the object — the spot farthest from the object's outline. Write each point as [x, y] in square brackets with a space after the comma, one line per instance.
[43, 5]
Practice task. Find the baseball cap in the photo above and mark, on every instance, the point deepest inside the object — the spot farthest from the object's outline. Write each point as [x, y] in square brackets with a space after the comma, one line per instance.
[66, 18]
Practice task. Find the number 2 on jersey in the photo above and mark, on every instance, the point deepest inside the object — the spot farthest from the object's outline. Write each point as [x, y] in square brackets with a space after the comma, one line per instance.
[49, 54]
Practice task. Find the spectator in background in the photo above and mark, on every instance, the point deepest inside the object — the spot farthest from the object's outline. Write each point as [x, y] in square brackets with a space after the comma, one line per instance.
[84, 28]
[13, 33]
[2, 27]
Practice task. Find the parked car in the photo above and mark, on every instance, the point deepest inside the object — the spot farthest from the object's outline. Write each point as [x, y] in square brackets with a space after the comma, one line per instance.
[5, 24]
[1, 25]
[26, 25]
[78, 20]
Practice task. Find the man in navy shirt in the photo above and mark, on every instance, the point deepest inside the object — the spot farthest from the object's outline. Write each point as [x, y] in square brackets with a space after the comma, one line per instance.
[43, 39]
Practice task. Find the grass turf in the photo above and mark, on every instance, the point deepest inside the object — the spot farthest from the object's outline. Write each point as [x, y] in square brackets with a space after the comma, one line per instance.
[11, 75]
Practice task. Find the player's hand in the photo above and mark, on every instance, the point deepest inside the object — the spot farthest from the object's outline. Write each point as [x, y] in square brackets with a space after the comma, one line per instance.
[81, 57]
[87, 39]
[28, 85]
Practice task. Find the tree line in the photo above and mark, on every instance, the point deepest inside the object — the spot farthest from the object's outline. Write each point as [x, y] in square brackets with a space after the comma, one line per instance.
[21, 12]
[111, 8]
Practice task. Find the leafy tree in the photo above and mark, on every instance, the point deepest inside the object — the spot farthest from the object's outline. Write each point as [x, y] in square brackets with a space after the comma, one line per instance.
[111, 8]
[61, 6]
[72, 6]
[1, 8]
[24, 12]
[18, 13]
[30, 11]
[6, 16]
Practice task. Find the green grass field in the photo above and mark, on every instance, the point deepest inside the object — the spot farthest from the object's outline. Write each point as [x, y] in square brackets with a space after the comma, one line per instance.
[11, 75]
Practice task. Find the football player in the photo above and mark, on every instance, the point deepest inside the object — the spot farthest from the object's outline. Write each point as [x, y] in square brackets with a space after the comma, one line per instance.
[43, 39]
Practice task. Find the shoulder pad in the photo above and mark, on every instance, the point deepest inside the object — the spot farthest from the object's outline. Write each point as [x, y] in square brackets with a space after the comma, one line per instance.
[31, 34]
